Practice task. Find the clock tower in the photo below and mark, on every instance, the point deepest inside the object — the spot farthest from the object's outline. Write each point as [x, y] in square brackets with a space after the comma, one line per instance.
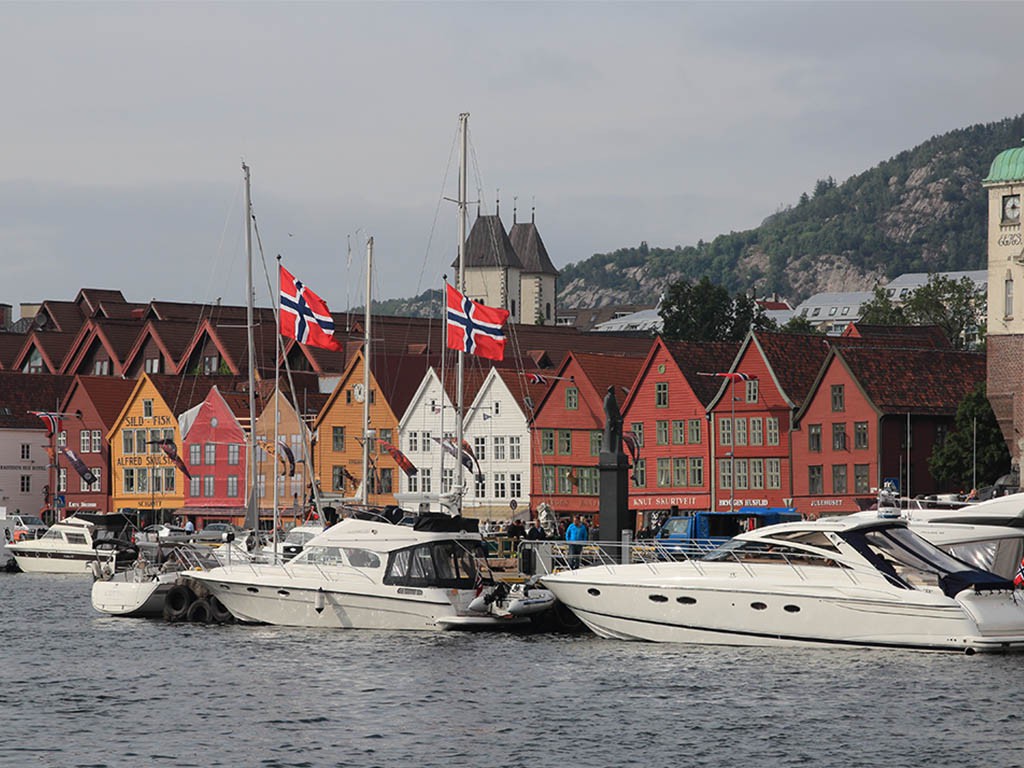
[1005, 337]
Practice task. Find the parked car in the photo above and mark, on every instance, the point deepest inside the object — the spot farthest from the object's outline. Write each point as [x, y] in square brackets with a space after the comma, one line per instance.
[215, 531]
[162, 532]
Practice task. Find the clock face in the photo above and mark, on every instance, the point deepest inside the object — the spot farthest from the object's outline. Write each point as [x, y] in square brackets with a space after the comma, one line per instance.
[1011, 208]
[359, 392]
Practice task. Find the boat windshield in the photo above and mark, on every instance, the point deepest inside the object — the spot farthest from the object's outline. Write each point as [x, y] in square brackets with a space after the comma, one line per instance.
[903, 548]
[768, 552]
[437, 564]
[299, 537]
[29, 520]
[52, 534]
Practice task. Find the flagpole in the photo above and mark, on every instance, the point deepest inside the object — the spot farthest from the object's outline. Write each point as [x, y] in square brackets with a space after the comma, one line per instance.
[365, 495]
[277, 399]
[444, 393]
[464, 128]
[252, 510]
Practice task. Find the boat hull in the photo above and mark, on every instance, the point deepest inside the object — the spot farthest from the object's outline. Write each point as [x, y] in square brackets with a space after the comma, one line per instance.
[119, 597]
[43, 561]
[270, 595]
[712, 611]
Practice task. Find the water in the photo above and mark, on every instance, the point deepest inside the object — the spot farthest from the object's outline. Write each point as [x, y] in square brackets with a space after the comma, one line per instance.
[82, 689]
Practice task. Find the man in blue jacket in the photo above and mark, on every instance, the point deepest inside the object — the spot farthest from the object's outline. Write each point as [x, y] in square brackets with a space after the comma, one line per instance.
[574, 534]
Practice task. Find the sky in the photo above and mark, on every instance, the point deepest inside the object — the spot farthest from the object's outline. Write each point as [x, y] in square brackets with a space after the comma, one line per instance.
[125, 126]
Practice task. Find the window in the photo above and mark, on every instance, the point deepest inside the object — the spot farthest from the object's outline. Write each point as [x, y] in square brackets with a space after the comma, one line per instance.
[740, 473]
[515, 448]
[261, 486]
[425, 481]
[861, 483]
[233, 486]
[693, 429]
[62, 480]
[547, 442]
[572, 399]
[208, 483]
[725, 473]
[62, 439]
[839, 437]
[479, 447]
[756, 430]
[211, 364]
[233, 454]
[337, 478]
[564, 442]
[152, 365]
[128, 480]
[860, 434]
[838, 398]
[127, 441]
[26, 451]
[678, 432]
[147, 409]
[815, 481]
[414, 443]
[515, 485]
[447, 480]
[427, 443]
[696, 471]
[499, 448]
[725, 431]
[664, 473]
[97, 441]
[814, 437]
[838, 478]
[338, 438]
[84, 443]
[661, 432]
[661, 394]
[565, 480]
[142, 481]
[757, 473]
[773, 472]
[589, 481]
[210, 454]
[386, 436]
[101, 368]
[679, 472]
[1008, 297]
[479, 485]
[740, 427]
[96, 485]
[640, 473]
[751, 391]
[387, 480]
[155, 436]
[772, 429]
[195, 486]
[140, 441]
[169, 479]
[638, 432]
[547, 480]
[596, 436]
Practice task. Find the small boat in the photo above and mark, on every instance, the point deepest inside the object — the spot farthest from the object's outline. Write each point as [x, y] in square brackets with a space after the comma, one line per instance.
[506, 600]
[366, 574]
[75, 543]
[835, 581]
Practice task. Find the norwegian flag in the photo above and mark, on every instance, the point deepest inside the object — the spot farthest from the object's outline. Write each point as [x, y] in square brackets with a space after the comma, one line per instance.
[1018, 580]
[735, 376]
[304, 315]
[536, 378]
[51, 420]
[475, 328]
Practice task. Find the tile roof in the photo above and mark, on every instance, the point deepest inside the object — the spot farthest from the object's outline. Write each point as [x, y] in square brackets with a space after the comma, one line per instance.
[89, 299]
[795, 359]
[526, 394]
[398, 377]
[10, 346]
[107, 393]
[922, 381]
[183, 392]
[20, 394]
[489, 246]
[610, 371]
[924, 336]
[53, 345]
[695, 358]
[62, 316]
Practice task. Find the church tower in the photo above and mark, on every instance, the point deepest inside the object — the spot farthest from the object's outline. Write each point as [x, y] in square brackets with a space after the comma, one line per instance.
[493, 269]
[1005, 338]
[539, 277]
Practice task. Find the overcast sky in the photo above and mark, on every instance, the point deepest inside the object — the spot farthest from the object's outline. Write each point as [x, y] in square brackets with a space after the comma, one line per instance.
[125, 124]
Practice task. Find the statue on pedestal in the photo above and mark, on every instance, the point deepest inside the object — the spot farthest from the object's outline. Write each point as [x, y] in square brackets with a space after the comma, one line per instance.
[612, 441]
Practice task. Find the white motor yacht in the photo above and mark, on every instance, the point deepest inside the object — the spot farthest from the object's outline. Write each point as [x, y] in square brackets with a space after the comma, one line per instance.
[835, 581]
[75, 543]
[292, 543]
[366, 574]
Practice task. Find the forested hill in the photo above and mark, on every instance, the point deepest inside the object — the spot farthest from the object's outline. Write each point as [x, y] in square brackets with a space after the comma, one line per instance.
[923, 210]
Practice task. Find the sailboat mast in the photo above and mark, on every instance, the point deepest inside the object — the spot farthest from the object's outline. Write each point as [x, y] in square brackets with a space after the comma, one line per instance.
[366, 375]
[464, 131]
[252, 508]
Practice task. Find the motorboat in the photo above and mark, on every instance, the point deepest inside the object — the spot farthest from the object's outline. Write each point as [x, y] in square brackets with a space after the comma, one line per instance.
[75, 543]
[366, 574]
[292, 543]
[835, 581]
[142, 589]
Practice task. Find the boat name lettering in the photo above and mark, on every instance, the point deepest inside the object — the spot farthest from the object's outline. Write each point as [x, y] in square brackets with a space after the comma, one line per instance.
[1010, 239]
[141, 421]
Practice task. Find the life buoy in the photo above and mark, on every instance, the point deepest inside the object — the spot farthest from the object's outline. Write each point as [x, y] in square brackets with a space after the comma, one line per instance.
[220, 614]
[200, 611]
[178, 601]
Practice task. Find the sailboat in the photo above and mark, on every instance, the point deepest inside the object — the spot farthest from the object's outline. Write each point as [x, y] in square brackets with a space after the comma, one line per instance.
[367, 572]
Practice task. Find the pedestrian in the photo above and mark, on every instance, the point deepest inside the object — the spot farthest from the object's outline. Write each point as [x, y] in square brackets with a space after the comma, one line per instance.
[575, 534]
[536, 533]
[190, 527]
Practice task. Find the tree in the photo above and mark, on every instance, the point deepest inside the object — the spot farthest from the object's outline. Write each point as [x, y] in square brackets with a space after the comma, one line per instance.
[953, 305]
[880, 310]
[799, 324]
[706, 312]
[976, 438]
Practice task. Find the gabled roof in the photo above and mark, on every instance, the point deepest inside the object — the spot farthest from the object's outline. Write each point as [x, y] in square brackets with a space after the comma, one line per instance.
[172, 338]
[794, 360]
[398, 377]
[10, 345]
[60, 316]
[910, 336]
[922, 381]
[116, 336]
[52, 345]
[20, 394]
[320, 360]
[107, 393]
[698, 358]
[489, 246]
[610, 371]
[526, 394]
[530, 248]
[183, 392]
[232, 342]
[89, 299]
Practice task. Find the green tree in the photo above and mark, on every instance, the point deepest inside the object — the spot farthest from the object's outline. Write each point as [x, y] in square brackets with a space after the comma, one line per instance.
[953, 305]
[880, 310]
[799, 324]
[706, 312]
[976, 444]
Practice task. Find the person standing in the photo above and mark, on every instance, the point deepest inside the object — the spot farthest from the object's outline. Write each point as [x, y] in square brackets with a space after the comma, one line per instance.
[575, 534]
[190, 527]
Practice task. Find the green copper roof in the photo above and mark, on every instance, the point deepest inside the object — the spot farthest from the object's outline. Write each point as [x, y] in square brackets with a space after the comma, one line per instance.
[1008, 166]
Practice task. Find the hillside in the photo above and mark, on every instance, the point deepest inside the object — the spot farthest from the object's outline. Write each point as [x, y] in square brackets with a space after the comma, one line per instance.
[923, 210]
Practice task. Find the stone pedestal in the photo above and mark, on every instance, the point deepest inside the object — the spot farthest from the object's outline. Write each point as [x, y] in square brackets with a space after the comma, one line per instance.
[614, 518]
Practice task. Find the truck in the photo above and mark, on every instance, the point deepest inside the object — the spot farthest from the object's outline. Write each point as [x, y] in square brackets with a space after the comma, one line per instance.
[703, 531]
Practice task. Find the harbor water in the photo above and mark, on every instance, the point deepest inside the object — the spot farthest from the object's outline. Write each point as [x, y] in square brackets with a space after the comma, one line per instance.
[83, 689]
